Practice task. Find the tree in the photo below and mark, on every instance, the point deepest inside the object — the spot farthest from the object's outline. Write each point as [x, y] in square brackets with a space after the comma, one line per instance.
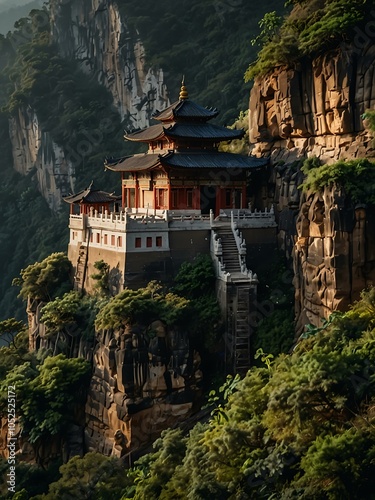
[48, 394]
[93, 476]
[46, 279]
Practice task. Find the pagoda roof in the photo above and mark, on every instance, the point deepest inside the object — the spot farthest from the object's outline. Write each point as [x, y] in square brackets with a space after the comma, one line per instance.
[185, 108]
[206, 131]
[91, 195]
[143, 161]
[202, 131]
[148, 134]
[215, 159]
[185, 159]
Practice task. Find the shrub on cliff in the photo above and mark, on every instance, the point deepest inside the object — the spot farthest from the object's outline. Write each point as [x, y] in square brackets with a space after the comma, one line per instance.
[47, 395]
[300, 427]
[355, 177]
[46, 279]
[311, 27]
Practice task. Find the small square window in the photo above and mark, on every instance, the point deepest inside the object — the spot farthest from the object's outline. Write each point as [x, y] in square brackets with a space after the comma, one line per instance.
[138, 242]
[159, 241]
[149, 242]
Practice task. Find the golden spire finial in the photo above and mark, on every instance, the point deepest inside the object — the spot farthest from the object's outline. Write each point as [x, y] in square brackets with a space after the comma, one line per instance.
[183, 92]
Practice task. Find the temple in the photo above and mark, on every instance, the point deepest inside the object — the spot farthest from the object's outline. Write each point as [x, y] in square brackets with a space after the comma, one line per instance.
[182, 198]
[183, 168]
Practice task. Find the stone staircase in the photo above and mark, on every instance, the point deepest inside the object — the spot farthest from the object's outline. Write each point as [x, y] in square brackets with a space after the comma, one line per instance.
[230, 258]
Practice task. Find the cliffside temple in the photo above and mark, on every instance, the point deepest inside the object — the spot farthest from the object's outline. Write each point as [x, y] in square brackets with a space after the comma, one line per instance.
[181, 198]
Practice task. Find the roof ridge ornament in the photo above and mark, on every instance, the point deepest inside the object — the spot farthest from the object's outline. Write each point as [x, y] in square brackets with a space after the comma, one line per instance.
[183, 91]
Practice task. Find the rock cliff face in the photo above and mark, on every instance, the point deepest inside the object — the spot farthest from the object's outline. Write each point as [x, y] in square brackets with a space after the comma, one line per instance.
[316, 110]
[334, 254]
[142, 383]
[34, 149]
[140, 386]
[95, 33]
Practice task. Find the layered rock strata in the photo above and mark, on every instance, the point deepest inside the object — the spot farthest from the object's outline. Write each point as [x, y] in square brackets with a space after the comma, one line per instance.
[140, 386]
[334, 255]
[316, 108]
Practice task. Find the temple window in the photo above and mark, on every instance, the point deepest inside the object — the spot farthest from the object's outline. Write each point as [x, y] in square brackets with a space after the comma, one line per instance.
[113, 240]
[91, 238]
[149, 242]
[106, 239]
[138, 242]
[97, 237]
[159, 241]
[119, 241]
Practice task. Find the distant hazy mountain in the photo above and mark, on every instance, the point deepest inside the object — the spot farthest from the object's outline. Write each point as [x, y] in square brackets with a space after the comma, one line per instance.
[12, 10]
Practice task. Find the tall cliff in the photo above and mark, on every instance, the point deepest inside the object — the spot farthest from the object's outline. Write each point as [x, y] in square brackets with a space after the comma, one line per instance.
[315, 109]
[34, 148]
[95, 33]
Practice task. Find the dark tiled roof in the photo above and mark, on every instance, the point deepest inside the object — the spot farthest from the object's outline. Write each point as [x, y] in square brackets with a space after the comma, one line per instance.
[211, 160]
[142, 161]
[148, 134]
[185, 108]
[202, 131]
[90, 195]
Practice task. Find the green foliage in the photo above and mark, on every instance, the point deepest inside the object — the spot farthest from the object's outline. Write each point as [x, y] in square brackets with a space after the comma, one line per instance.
[196, 282]
[31, 479]
[142, 306]
[275, 332]
[219, 398]
[369, 119]
[156, 469]
[14, 352]
[46, 279]
[303, 427]
[72, 314]
[270, 24]
[195, 279]
[311, 27]
[93, 476]
[194, 39]
[101, 277]
[355, 177]
[239, 146]
[48, 394]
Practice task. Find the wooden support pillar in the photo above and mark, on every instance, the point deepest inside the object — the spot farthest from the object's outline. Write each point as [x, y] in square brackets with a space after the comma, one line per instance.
[243, 200]
[122, 190]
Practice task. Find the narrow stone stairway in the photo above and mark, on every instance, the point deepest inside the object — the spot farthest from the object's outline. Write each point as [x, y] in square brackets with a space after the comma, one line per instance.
[230, 251]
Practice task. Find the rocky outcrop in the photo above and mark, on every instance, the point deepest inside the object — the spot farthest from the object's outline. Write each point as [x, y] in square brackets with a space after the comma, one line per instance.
[34, 149]
[95, 33]
[334, 255]
[315, 108]
[141, 385]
